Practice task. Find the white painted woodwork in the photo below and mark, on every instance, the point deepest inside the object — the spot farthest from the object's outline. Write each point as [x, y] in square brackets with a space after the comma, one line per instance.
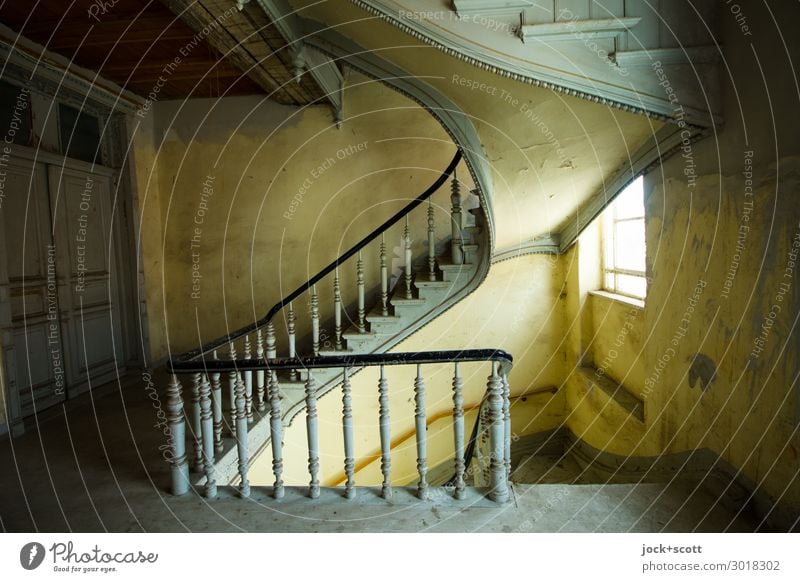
[361, 323]
[314, 321]
[570, 30]
[456, 250]
[347, 430]
[197, 437]
[386, 435]
[248, 380]
[497, 469]
[431, 243]
[407, 263]
[261, 403]
[276, 434]
[507, 426]
[241, 437]
[232, 376]
[337, 311]
[384, 278]
[216, 397]
[420, 423]
[312, 432]
[458, 431]
[207, 434]
[179, 468]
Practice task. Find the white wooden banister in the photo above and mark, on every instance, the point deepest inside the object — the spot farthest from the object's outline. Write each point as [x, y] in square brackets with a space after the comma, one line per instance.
[179, 468]
[248, 381]
[384, 278]
[241, 436]
[407, 255]
[261, 404]
[216, 397]
[421, 425]
[347, 430]
[385, 435]
[337, 311]
[497, 468]
[207, 431]
[197, 437]
[458, 431]
[431, 243]
[456, 248]
[312, 432]
[276, 433]
[361, 323]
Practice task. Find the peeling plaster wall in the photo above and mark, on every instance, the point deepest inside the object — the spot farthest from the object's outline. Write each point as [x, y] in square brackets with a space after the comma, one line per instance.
[720, 270]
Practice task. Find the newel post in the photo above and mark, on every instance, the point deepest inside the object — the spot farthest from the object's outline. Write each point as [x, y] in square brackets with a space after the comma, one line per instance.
[497, 438]
[179, 468]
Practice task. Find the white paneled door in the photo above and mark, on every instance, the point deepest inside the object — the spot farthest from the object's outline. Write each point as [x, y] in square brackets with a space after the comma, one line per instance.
[63, 283]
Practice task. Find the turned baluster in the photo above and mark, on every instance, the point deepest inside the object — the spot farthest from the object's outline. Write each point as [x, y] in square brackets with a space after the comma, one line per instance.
[431, 243]
[507, 425]
[407, 275]
[456, 248]
[207, 430]
[197, 437]
[241, 436]
[312, 432]
[276, 434]
[314, 321]
[362, 325]
[384, 279]
[179, 469]
[232, 375]
[497, 467]
[347, 429]
[422, 434]
[248, 381]
[291, 328]
[337, 310]
[458, 431]
[386, 435]
[261, 404]
[216, 399]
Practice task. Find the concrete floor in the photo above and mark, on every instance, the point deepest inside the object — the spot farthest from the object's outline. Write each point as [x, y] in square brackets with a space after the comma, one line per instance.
[95, 465]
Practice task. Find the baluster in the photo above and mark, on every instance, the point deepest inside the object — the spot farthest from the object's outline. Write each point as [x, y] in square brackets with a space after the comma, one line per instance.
[216, 398]
[458, 431]
[362, 326]
[312, 433]
[276, 434]
[431, 243]
[232, 375]
[197, 437]
[337, 310]
[291, 328]
[456, 249]
[347, 429]
[314, 321]
[179, 469]
[407, 242]
[241, 436]
[497, 466]
[248, 381]
[386, 435]
[507, 425]
[207, 430]
[384, 279]
[422, 436]
[261, 404]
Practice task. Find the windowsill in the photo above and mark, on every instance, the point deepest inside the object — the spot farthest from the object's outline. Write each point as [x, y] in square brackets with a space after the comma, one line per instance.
[619, 298]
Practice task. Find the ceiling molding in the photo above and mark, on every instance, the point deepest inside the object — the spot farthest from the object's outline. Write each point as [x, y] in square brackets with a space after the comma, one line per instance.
[575, 83]
[490, 7]
[546, 245]
[570, 30]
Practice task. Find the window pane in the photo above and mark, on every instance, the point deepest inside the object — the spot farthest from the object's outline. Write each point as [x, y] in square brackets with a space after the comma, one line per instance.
[629, 245]
[631, 285]
[630, 202]
[79, 134]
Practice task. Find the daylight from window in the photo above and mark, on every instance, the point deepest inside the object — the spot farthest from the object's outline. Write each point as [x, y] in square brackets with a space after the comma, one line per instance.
[624, 244]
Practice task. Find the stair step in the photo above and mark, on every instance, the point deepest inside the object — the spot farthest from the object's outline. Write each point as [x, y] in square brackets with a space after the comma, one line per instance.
[402, 301]
[352, 333]
[432, 284]
[328, 353]
[375, 316]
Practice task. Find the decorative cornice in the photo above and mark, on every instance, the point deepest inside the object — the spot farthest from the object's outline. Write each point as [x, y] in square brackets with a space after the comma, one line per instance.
[547, 245]
[490, 7]
[699, 55]
[504, 69]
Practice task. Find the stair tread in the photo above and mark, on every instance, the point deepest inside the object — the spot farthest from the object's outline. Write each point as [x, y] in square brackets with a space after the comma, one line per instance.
[406, 301]
[436, 283]
[447, 266]
[376, 316]
[327, 353]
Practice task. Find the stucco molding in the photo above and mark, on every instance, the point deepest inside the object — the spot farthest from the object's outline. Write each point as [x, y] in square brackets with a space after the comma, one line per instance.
[546, 245]
[577, 85]
[555, 31]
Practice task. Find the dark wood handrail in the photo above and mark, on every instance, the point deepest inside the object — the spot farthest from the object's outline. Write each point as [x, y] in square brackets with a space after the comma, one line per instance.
[250, 328]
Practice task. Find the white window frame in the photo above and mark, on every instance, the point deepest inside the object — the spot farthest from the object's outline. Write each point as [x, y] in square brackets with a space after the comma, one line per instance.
[609, 245]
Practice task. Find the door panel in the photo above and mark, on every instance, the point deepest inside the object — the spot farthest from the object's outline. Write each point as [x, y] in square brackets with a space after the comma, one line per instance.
[81, 208]
[33, 291]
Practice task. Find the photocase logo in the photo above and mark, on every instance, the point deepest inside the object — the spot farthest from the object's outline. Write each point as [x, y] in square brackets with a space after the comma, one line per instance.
[31, 555]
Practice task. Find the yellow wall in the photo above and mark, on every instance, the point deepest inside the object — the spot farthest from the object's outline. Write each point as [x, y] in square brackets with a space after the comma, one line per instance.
[708, 296]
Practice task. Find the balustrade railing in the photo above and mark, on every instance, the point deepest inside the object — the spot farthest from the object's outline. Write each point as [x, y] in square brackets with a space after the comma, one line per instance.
[245, 362]
[497, 423]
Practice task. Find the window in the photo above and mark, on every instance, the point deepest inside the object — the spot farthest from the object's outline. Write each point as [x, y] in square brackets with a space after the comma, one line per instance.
[79, 134]
[15, 114]
[624, 244]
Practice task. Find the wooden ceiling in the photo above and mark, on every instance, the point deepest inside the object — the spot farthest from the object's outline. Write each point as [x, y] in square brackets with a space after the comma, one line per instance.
[131, 42]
